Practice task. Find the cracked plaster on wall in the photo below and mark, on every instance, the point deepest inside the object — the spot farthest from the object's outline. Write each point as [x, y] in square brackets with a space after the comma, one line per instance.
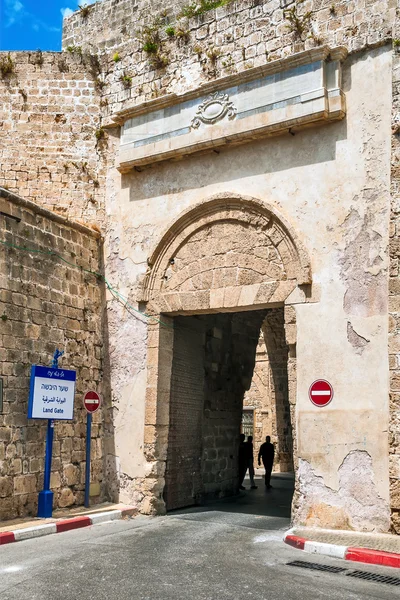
[363, 264]
[356, 340]
[355, 505]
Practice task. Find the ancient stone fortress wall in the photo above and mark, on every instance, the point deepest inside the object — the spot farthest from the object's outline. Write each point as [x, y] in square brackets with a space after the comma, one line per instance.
[330, 183]
[151, 49]
[325, 189]
[47, 302]
[50, 140]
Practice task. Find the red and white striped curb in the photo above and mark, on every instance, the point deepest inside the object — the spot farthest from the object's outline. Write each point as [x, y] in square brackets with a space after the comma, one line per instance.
[65, 525]
[364, 555]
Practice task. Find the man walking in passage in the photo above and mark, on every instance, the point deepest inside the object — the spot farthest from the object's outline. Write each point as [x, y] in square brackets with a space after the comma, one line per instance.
[267, 453]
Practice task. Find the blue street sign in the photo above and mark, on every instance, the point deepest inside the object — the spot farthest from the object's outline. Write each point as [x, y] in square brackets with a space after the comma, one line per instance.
[51, 394]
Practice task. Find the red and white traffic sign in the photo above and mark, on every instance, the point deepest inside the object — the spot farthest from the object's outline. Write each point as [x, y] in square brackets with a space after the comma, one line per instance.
[321, 393]
[91, 401]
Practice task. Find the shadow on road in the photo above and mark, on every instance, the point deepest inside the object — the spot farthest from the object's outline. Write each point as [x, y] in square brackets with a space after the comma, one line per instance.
[260, 508]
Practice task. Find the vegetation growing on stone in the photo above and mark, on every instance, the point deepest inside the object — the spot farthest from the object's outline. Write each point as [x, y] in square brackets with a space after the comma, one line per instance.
[37, 58]
[84, 10]
[74, 50]
[99, 133]
[170, 31]
[298, 23]
[7, 66]
[198, 8]
[126, 80]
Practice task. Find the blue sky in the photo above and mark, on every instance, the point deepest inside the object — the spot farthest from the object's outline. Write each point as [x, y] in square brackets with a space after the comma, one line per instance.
[33, 24]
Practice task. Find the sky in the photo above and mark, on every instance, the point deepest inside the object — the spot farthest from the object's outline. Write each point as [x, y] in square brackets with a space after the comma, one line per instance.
[34, 24]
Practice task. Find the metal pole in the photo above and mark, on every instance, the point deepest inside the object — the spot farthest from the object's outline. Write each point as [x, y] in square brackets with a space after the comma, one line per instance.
[45, 502]
[87, 474]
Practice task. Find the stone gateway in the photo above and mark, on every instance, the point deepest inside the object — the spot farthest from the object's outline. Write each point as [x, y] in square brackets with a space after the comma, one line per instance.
[201, 207]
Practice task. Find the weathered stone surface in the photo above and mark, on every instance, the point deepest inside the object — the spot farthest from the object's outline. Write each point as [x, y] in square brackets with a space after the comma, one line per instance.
[63, 303]
[327, 187]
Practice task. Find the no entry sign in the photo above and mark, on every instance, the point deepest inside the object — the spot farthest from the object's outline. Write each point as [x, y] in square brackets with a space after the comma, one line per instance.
[91, 401]
[321, 393]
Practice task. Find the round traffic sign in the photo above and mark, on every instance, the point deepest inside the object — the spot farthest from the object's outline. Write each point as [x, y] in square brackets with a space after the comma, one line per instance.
[91, 401]
[321, 393]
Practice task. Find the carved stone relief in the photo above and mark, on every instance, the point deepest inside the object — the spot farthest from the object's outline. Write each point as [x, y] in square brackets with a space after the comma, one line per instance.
[215, 108]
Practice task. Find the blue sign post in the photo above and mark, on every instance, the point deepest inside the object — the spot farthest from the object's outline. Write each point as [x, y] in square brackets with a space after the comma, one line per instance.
[51, 396]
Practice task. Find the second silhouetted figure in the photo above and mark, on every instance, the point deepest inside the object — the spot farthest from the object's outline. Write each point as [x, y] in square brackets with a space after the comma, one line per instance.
[267, 453]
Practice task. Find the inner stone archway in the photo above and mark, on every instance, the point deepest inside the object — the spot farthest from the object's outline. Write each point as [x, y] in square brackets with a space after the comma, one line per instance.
[226, 260]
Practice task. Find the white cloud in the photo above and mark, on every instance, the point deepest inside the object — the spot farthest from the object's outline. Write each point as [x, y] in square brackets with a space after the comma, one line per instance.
[14, 11]
[66, 12]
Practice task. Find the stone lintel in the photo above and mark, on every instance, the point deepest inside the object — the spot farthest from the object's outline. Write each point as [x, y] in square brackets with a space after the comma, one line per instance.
[299, 92]
[275, 66]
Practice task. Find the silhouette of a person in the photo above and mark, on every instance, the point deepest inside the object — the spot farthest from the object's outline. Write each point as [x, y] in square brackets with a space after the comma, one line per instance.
[242, 460]
[250, 460]
[267, 453]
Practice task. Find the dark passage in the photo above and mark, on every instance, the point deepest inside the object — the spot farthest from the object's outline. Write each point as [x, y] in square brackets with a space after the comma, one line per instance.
[213, 363]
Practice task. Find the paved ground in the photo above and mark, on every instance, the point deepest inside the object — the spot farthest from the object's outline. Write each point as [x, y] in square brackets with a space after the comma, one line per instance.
[229, 551]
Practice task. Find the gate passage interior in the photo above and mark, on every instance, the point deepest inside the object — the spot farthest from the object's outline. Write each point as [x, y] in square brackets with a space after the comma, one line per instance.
[213, 363]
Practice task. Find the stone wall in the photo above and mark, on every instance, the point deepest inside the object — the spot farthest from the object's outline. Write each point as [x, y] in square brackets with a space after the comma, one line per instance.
[46, 303]
[219, 42]
[394, 294]
[50, 149]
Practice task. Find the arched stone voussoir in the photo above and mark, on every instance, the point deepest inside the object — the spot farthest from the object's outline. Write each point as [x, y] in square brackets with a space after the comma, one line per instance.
[195, 264]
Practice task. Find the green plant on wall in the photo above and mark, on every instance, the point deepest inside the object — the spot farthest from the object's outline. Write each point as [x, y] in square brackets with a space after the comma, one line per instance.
[84, 10]
[37, 58]
[100, 134]
[150, 38]
[170, 31]
[182, 33]
[126, 80]
[199, 8]
[299, 24]
[159, 60]
[74, 50]
[7, 66]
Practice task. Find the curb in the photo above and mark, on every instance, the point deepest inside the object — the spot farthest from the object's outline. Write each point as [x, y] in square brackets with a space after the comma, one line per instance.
[8, 537]
[363, 555]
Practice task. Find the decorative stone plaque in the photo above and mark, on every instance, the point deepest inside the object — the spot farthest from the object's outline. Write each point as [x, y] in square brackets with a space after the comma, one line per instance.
[294, 92]
[214, 109]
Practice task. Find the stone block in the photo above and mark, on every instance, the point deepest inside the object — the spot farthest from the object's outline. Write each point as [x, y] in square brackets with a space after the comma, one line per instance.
[6, 487]
[25, 484]
[66, 498]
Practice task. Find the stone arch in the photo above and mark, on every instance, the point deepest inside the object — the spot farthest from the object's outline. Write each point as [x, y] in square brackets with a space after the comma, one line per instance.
[230, 251]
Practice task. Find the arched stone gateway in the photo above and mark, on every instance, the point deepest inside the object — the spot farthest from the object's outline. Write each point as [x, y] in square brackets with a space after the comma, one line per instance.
[212, 279]
[228, 252]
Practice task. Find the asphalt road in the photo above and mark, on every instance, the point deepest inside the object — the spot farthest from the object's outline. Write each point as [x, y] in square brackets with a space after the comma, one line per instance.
[224, 552]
